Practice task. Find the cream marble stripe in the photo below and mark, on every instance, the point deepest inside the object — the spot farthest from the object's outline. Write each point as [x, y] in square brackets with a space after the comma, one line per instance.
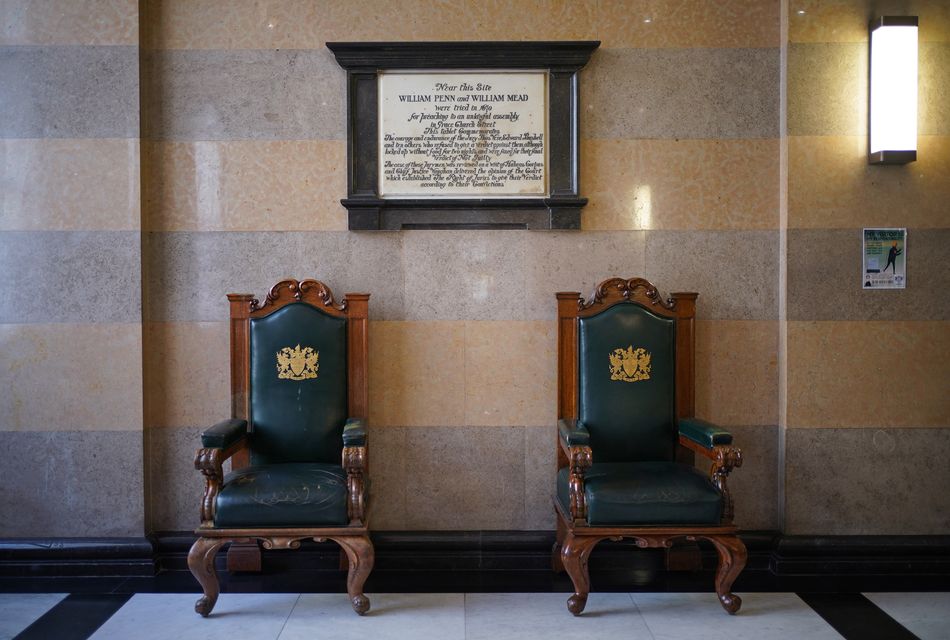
[68, 377]
[65, 22]
[868, 374]
[831, 185]
[459, 373]
[680, 184]
[248, 185]
[287, 24]
[847, 20]
[69, 184]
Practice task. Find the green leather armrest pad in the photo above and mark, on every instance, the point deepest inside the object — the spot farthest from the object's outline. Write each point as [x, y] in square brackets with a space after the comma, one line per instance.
[573, 432]
[354, 433]
[224, 434]
[704, 433]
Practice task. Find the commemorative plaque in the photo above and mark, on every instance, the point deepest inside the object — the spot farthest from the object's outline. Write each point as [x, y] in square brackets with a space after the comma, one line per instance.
[462, 135]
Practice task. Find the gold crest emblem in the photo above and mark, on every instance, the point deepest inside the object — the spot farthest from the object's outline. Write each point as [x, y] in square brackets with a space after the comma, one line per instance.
[297, 363]
[629, 365]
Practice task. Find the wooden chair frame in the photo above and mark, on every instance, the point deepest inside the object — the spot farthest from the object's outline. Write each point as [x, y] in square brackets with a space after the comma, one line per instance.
[575, 539]
[352, 538]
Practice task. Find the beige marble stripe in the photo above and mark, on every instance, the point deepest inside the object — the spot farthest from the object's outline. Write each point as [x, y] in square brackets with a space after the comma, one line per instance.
[187, 374]
[868, 374]
[69, 22]
[831, 185]
[680, 184]
[737, 371]
[289, 24]
[847, 20]
[69, 377]
[69, 184]
[460, 373]
[253, 185]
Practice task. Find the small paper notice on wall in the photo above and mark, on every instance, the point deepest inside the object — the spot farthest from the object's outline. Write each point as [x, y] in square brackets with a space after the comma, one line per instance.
[885, 259]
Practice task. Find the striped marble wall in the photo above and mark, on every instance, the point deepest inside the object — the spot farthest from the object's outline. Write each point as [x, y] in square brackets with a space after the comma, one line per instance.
[244, 165]
[868, 418]
[699, 176]
[70, 257]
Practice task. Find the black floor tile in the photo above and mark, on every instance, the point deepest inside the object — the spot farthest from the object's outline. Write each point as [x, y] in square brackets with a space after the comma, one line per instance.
[855, 617]
[76, 617]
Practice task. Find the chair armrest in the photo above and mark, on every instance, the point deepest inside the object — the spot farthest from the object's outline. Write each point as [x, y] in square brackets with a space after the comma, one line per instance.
[354, 433]
[714, 443]
[703, 433]
[354, 463]
[574, 439]
[224, 434]
[219, 443]
[573, 432]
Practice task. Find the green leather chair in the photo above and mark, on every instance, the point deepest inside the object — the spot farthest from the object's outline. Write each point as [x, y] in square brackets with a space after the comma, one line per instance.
[627, 434]
[297, 434]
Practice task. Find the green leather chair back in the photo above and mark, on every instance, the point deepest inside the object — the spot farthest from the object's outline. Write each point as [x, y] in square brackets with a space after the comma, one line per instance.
[298, 386]
[626, 383]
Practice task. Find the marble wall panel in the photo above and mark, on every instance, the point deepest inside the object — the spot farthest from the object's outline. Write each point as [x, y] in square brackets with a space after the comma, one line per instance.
[828, 89]
[58, 22]
[189, 274]
[681, 93]
[737, 371]
[417, 373]
[869, 481]
[72, 484]
[831, 185]
[680, 184]
[465, 478]
[571, 261]
[68, 377]
[245, 185]
[242, 95]
[201, 24]
[187, 374]
[70, 276]
[735, 272]
[847, 20]
[463, 275]
[69, 185]
[824, 278]
[868, 374]
[69, 92]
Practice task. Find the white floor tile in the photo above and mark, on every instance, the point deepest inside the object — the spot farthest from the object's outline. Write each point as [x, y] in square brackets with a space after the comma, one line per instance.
[400, 616]
[171, 616]
[20, 610]
[763, 616]
[926, 615]
[511, 616]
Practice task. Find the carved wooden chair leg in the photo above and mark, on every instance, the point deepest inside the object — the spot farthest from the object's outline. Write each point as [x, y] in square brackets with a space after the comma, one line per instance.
[732, 559]
[201, 564]
[361, 556]
[556, 564]
[574, 555]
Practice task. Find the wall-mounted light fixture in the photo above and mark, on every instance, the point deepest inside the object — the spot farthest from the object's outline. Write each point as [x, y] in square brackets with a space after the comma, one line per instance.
[893, 91]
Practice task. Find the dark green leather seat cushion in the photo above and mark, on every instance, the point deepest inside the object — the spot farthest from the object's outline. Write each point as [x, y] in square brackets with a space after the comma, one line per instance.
[645, 493]
[627, 421]
[283, 495]
[297, 420]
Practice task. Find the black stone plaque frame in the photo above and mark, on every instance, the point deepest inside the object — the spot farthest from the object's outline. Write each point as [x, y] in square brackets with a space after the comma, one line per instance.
[363, 61]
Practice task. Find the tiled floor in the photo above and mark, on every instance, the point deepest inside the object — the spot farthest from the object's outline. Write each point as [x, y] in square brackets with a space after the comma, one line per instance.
[926, 615]
[469, 616]
[18, 610]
